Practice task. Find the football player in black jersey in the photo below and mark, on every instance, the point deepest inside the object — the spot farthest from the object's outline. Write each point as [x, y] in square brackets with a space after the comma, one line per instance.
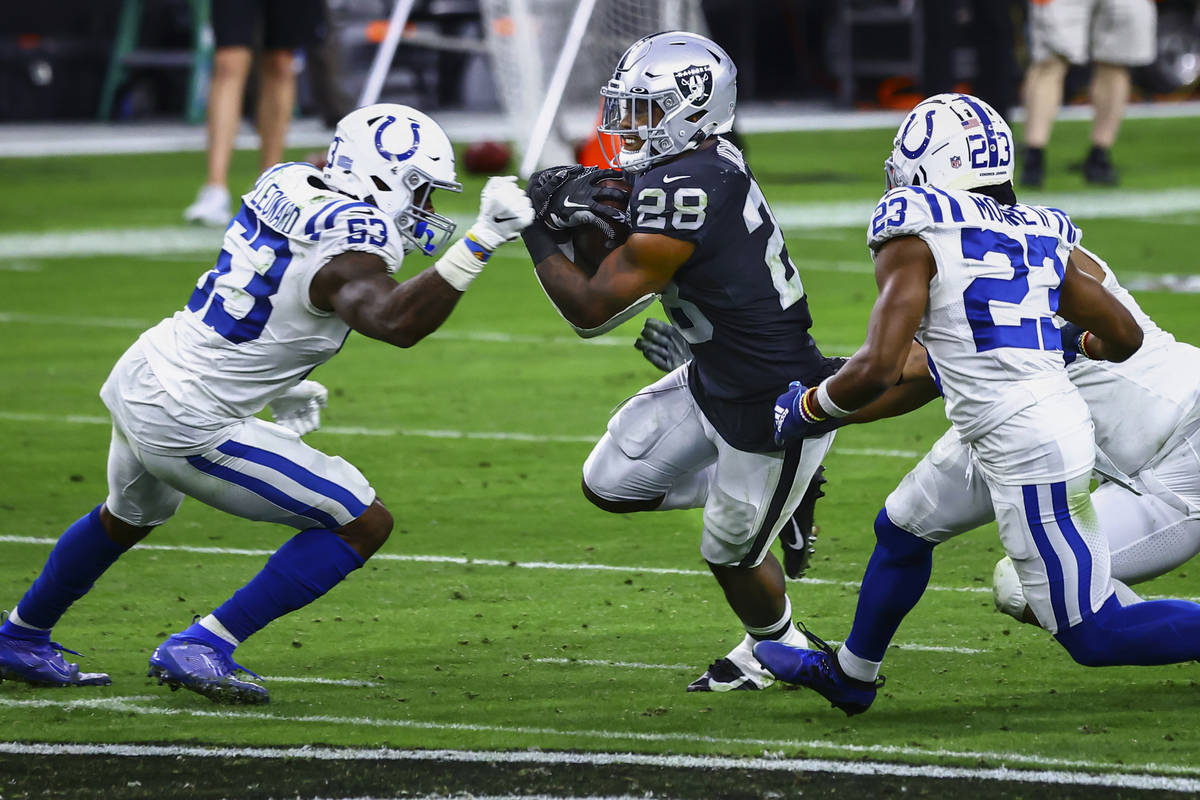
[704, 241]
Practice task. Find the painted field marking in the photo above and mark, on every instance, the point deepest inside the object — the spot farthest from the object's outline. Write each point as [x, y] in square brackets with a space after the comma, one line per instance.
[483, 562]
[24, 139]
[599, 662]
[511, 436]
[137, 705]
[172, 240]
[497, 337]
[1169, 283]
[322, 681]
[549, 565]
[482, 337]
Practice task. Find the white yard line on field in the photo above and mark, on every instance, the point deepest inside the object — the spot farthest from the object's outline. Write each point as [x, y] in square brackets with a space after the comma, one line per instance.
[548, 565]
[307, 679]
[1170, 283]
[479, 562]
[125, 323]
[511, 436]
[493, 337]
[171, 240]
[1135, 204]
[484, 337]
[79, 137]
[1055, 770]
[599, 662]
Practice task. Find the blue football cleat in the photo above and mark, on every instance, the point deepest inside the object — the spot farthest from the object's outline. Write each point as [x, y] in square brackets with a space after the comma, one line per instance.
[818, 670]
[205, 670]
[42, 664]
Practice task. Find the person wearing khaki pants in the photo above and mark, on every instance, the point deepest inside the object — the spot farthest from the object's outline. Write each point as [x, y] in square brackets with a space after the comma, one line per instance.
[1112, 36]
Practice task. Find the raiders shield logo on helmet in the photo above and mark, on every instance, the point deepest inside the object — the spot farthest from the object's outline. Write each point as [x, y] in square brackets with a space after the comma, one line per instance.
[695, 84]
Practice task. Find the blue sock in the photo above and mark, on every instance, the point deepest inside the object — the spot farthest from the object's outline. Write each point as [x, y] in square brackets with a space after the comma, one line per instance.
[1153, 632]
[307, 566]
[81, 555]
[896, 577]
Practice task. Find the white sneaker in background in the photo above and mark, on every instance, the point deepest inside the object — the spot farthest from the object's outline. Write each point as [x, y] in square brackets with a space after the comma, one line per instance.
[211, 206]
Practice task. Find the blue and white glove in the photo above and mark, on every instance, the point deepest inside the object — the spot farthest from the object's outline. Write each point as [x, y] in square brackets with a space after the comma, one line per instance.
[791, 424]
[1074, 339]
[299, 408]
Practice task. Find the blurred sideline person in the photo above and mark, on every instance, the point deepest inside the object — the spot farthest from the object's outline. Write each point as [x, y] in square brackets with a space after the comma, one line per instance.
[282, 27]
[308, 258]
[1111, 35]
[976, 278]
[704, 240]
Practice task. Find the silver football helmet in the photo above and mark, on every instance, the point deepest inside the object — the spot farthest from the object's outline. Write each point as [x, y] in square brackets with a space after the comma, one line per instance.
[393, 157]
[669, 92]
[952, 141]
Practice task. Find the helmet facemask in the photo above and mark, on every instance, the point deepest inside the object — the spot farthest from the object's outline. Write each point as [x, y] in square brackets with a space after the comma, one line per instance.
[634, 116]
[423, 229]
[893, 176]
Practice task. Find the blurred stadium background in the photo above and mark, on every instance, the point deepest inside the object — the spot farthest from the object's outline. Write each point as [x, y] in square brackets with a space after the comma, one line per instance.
[510, 640]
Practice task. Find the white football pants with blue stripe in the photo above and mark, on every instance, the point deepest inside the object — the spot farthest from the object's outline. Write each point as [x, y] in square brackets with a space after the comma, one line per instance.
[1052, 534]
[1031, 474]
[261, 471]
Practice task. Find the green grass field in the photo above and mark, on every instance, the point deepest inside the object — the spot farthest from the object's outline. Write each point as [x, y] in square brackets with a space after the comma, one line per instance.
[529, 643]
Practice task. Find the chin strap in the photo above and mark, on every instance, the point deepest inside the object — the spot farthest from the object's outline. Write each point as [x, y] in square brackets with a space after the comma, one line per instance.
[628, 313]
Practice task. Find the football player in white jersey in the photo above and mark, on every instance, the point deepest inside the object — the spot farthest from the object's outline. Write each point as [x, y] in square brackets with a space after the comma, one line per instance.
[1146, 413]
[977, 278]
[308, 258]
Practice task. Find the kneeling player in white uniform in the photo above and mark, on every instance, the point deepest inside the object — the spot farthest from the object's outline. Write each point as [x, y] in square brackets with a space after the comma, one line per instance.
[976, 278]
[307, 259]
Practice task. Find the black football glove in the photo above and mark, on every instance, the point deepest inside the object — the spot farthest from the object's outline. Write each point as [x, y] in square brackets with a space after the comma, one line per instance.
[578, 200]
[543, 184]
[663, 345]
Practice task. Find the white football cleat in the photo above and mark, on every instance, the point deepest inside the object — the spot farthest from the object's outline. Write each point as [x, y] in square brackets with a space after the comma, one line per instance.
[1007, 593]
[210, 208]
[740, 670]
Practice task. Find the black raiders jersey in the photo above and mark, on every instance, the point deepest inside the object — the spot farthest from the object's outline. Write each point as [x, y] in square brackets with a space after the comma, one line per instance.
[738, 300]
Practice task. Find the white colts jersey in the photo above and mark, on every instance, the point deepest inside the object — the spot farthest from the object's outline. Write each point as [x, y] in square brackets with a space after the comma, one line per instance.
[249, 330]
[1146, 404]
[993, 346]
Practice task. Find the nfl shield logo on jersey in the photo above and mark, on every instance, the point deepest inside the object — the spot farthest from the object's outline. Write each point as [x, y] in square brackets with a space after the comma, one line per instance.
[955, 161]
[695, 83]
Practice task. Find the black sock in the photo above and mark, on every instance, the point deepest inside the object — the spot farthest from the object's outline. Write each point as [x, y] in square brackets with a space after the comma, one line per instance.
[1034, 156]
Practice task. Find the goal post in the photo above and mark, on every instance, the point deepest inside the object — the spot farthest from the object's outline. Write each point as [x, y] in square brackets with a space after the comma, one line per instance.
[550, 58]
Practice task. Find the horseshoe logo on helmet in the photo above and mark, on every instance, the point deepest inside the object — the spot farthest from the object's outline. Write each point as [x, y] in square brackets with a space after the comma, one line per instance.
[407, 154]
[924, 142]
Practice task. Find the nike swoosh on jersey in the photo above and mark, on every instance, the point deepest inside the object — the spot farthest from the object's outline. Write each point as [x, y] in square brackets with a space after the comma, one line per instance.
[673, 178]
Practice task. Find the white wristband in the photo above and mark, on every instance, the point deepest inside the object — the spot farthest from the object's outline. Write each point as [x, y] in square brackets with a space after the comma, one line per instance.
[827, 405]
[462, 262]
